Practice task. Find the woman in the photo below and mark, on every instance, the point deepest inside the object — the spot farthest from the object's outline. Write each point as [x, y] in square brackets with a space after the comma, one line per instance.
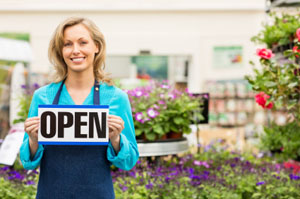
[77, 51]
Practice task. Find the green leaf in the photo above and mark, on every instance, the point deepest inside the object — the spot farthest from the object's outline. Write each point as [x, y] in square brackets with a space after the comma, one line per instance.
[178, 120]
[270, 84]
[293, 84]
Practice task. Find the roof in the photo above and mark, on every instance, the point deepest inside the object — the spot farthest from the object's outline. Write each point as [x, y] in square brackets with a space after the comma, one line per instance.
[15, 50]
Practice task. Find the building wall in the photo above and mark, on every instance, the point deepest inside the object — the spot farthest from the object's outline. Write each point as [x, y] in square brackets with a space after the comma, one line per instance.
[190, 28]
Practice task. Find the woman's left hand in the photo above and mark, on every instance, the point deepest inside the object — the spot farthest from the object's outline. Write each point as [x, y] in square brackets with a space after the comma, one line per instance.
[115, 125]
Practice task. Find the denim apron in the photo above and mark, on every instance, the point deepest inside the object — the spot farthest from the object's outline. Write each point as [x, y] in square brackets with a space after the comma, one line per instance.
[75, 172]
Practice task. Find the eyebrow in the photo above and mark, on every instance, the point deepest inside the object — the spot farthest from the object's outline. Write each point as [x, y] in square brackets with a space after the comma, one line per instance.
[70, 40]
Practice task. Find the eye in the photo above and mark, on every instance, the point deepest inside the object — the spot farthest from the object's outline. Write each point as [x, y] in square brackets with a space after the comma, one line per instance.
[67, 44]
[83, 42]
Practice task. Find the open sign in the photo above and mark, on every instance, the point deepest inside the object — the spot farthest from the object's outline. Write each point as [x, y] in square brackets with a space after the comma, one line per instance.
[73, 124]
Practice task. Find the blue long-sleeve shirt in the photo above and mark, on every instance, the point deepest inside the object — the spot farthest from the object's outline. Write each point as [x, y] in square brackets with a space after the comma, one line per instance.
[118, 105]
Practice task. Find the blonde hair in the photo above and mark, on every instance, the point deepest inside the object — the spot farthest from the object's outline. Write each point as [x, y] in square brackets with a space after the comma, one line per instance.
[57, 42]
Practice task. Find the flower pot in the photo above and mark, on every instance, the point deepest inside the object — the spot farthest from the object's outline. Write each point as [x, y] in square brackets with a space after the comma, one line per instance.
[174, 135]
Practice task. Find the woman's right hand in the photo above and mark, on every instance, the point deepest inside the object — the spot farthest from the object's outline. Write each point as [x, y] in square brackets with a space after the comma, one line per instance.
[31, 126]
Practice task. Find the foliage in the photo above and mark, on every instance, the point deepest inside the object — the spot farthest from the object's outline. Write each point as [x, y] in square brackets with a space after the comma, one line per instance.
[159, 108]
[24, 102]
[17, 183]
[278, 81]
[283, 141]
[214, 174]
[210, 175]
[280, 31]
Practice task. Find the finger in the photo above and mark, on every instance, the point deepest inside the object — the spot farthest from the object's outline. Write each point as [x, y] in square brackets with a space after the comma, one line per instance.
[117, 126]
[35, 130]
[114, 117]
[112, 131]
[32, 119]
[30, 128]
[117, 123]
[117, 120]
[32, 122]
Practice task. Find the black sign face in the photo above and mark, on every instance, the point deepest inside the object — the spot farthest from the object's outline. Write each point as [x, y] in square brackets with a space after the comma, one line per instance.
[73, 125]
[204, 97]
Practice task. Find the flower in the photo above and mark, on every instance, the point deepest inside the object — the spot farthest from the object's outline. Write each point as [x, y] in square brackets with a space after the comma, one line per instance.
[297, 71]
[294, 177]
[295, 50]
[149, 186]
[152, 113]
[199, 163]
[260, 183]
[159, 108]
[264, 53]
[262, 98]
[298, 34]
[139, 117]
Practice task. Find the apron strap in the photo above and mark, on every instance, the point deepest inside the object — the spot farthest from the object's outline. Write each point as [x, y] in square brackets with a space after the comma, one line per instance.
[96, 93]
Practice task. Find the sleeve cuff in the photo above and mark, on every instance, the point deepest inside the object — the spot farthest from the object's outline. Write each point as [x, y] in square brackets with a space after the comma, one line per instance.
[123, 153]
[27, 162]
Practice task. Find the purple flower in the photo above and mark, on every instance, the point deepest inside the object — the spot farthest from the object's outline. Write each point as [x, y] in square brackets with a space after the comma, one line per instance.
[30, 182]
[23, 86]
[260, 183]
[132, 174]
[36, 86]
[5, 168]
[167, 179]
[191, 171]
[124, 188]
[139, 117]
[294, 177]
[152, 113]
[149, 186]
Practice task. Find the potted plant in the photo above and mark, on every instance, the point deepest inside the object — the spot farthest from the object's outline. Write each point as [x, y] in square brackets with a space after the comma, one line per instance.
[278, 84]
[25, 101]
[279, 34]
[159, 109]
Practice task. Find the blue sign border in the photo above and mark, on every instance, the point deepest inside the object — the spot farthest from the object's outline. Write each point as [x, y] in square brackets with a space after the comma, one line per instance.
[74, 106]
[72, 143]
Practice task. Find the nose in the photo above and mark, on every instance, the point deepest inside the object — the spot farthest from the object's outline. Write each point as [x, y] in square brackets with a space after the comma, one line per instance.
[76, 49]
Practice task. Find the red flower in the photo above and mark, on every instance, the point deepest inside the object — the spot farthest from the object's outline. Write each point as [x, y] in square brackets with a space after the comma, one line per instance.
[295, 50]
[262, 98]
[298, 34]
[292, 165]
[264, 53]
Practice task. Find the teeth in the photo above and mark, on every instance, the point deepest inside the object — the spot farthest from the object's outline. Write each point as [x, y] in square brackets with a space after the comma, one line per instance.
[77, 59]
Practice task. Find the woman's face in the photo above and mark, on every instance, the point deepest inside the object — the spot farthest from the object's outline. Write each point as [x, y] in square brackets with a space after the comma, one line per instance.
[79, 49]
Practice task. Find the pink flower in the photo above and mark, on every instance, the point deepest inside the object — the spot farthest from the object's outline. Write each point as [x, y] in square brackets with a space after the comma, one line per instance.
[139, 117]
[161, 102]
[199, 163]
[165, 86]
[152, 113]
[298, 34]
[264, 53]
[262, 98]
[138, 93]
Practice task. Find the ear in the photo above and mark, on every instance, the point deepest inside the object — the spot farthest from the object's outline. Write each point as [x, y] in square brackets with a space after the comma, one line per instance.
[97, 48]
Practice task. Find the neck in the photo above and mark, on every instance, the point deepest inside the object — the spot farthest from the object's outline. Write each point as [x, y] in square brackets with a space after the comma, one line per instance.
[80, 81]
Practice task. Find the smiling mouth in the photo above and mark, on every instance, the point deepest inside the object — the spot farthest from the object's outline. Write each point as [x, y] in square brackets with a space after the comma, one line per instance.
[77, 59]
